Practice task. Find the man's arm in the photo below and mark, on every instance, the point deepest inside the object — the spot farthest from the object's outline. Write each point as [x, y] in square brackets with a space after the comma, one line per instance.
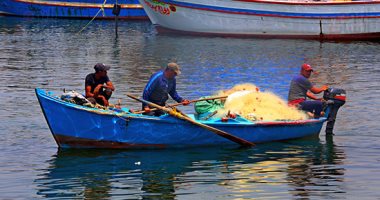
[317, 90]
[109, 85]
[312, 96]
[173, 93]
[87, 89]
[149, 88]
[89, 81]
[95, 93]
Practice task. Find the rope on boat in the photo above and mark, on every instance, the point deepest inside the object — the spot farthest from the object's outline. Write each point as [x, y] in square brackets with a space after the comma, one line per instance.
[175, 113]
[99, 109]
[101, 9]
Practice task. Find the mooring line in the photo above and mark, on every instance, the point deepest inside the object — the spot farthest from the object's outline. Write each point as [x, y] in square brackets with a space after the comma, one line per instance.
[101, 9]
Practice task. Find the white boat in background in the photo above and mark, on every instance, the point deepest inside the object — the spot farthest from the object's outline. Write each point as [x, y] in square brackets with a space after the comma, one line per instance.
[305, 19]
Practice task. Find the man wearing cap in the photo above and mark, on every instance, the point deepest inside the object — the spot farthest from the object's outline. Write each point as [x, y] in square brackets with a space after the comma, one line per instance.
[160, 85]
[301, 87]
[98, 86]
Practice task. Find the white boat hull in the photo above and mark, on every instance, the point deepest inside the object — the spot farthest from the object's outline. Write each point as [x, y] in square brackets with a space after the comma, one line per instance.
[267, 19]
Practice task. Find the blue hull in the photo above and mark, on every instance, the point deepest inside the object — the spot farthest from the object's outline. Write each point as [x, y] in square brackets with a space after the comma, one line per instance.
[78, 126]
[71, 9]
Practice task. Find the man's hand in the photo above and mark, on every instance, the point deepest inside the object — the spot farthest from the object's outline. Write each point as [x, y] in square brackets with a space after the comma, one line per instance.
[185, 102]
[324, 87]
[97, 89]
[146, 109]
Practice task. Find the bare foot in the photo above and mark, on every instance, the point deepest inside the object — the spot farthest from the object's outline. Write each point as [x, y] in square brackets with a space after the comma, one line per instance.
[311, 115]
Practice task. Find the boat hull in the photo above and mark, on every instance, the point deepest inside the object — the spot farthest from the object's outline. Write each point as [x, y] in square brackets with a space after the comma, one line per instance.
[82, 127]
[71, 9]
[267, 19]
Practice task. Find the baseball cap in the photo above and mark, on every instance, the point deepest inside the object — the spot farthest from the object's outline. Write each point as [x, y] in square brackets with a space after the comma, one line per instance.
[306, 67]
[174, 67]
[101, 67]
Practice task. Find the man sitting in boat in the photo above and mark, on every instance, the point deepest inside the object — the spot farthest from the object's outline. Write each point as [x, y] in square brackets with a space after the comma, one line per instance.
[159, 86]
[301, 87]
[98, 86]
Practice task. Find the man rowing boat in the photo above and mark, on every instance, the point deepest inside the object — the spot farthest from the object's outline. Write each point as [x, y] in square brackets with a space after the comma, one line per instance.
[160, 85]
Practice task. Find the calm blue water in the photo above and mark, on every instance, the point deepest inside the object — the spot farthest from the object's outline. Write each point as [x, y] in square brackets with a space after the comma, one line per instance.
[49, 53]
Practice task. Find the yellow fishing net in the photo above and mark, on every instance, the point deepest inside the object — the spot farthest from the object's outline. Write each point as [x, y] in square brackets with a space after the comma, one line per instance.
[247, 101]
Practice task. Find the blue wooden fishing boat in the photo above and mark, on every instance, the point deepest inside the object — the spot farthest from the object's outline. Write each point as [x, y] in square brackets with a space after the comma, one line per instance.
[77, 126]
[102, 9]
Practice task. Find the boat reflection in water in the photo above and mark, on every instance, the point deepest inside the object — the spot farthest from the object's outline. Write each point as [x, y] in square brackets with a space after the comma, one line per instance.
[293, 169]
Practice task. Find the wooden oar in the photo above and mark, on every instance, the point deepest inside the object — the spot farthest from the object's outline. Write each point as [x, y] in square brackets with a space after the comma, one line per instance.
[186, 118]
[178, 104]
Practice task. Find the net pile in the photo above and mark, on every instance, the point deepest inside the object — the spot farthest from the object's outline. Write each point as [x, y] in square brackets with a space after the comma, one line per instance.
[247, 101]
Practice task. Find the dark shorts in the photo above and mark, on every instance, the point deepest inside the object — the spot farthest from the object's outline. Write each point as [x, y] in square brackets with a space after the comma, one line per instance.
[312, 106]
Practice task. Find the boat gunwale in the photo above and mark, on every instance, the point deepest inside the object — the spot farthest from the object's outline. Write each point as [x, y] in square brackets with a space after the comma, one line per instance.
[78, 4]
[304, 2]
[45, 94]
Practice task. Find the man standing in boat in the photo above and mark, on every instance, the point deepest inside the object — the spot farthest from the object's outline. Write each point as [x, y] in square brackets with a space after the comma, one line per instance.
[301, 87]
[160, 85]
[98, 86]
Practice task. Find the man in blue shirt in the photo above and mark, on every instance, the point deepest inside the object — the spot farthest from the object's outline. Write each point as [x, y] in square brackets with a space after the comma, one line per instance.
[301, 87]
[160, 85]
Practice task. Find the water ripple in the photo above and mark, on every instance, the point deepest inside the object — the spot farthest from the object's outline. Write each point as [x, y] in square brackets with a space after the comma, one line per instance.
[49, 53]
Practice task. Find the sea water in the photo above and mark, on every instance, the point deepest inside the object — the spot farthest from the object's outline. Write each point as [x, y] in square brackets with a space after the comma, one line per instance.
[50, 54]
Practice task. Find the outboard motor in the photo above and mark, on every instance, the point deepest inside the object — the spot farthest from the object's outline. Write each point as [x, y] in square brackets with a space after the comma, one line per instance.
[335, 98]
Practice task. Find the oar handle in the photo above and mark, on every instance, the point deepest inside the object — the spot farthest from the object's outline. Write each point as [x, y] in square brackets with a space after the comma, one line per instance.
[196, 100]
[148, 103]
[143, 111]
[192, 101]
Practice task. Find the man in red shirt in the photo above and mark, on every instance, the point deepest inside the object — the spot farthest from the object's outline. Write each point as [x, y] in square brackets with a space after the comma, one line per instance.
[301, 87]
